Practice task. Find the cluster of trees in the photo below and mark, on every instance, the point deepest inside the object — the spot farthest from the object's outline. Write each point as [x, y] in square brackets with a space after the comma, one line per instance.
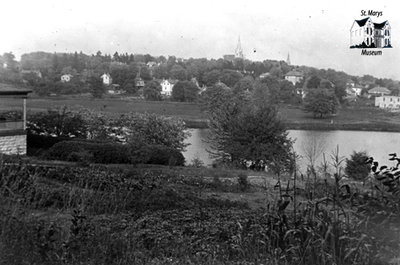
[243, 127]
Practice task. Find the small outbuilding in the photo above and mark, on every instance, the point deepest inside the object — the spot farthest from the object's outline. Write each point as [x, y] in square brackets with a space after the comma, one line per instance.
[13, 119]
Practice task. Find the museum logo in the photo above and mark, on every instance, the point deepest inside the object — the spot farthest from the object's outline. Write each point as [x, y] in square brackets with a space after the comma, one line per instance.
[366, 34]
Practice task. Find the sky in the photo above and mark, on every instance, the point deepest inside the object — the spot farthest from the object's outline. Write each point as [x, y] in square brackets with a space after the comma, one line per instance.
[315, 33]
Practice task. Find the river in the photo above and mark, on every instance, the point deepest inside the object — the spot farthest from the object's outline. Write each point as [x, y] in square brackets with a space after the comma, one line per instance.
[376, 144]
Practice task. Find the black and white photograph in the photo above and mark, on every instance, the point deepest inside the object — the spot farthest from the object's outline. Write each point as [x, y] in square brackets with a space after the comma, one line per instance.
[200, 132]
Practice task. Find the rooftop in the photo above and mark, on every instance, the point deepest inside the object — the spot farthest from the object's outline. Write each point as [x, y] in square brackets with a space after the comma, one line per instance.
[362, 22]
[10, 90]
[380, 25]
[379, 89]
[294, 73]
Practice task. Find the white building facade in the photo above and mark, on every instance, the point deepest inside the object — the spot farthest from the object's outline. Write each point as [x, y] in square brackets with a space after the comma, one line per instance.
[107, 80]
[166, 87]
[387, 102]
[294, 77]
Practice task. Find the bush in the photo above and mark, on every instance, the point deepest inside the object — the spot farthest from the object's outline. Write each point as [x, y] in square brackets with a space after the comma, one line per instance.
[114, 153]
[356, 167]
[44, 141]
[243, 182]
[96, 152]
[162, 155]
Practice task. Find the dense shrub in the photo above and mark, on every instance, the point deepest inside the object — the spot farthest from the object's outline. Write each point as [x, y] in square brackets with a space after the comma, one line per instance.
[356, 167]
[162, 155]
[96, 152]
[114, 153]
[43, 141]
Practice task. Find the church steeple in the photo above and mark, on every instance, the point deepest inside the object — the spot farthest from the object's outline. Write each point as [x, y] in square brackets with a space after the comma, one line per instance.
[238, 50]
[288, 59]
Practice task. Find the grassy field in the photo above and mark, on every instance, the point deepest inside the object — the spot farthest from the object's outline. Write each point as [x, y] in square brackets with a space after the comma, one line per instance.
[350, 118]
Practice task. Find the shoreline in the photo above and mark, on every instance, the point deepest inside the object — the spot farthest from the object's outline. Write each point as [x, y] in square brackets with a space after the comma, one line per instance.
[379, 127]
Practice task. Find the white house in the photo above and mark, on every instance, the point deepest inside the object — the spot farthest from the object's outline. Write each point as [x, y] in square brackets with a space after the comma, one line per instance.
[264, 75]
[387, 102]
[365, 33]
[294, 77]
[107, 80]
[353, 91]
[166, 87]
[66, 78]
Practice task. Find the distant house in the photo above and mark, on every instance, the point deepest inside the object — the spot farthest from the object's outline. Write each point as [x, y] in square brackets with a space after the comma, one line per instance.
[354, 91]
[229, 57]
[378, 91]
[366, 34]
[166, 87]
[139, 82]
[387, 102]
[264, 75]
[294, 76]
[350, 83]
[107, 80]
[37, 73]
[114, 89]
[66, 78]
[151, 64]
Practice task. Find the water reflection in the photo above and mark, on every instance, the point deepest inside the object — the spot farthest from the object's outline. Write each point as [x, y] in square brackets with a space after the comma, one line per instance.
[376, 144]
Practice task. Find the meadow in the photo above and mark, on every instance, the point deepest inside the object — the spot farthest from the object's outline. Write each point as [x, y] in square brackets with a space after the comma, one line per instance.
[348, 118]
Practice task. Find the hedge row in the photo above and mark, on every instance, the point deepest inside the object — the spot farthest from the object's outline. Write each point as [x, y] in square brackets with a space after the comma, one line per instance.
[114, 153]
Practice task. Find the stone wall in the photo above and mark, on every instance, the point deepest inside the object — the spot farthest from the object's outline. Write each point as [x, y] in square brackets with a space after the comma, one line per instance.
[13, 144]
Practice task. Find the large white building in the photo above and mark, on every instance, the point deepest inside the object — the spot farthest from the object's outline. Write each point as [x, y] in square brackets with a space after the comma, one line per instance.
[294, 76]
[387, 102]
[365, 33]
[107, 80]
[166, 87]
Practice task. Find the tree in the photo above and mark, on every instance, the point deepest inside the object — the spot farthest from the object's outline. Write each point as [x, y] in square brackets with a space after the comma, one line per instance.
[178, 72]
[287, 92]
[244, 84]
[152, 91]
[96, 86]
[212, 77]
[241, 130]
[153, 129]
[9, 60]
[321, 102]
[356, 168]
[313, 82]
[185, 91]
[266, 90]
[230, 77]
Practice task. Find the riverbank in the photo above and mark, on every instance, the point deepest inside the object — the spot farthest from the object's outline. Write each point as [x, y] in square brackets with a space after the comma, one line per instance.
[317, 126]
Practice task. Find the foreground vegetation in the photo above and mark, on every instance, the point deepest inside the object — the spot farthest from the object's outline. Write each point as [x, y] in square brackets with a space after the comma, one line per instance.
[175, 215]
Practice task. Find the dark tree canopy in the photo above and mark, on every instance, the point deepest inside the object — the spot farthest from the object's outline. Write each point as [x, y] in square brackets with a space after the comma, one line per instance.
[321, 102]
[185, 91]
[96, 86]
[356, 168]
[152, 91]
[242, 130]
